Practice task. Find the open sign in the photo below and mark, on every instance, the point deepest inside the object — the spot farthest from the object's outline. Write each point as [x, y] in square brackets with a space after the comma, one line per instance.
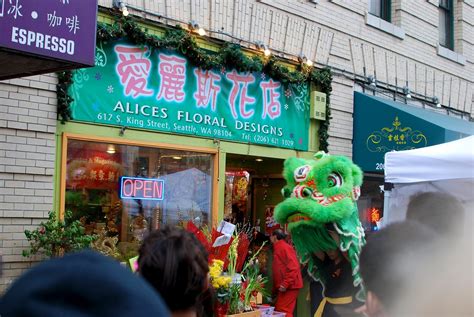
[142, 188]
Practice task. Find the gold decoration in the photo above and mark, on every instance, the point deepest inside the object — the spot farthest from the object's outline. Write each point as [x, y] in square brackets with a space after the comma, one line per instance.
[396, 138]
[104, 244]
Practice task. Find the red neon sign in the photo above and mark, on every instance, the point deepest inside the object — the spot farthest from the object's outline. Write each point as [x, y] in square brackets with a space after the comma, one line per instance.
[374, 215]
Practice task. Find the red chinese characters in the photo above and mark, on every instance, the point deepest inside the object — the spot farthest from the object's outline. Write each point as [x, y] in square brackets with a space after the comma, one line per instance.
[206, 88]
[172, 70]
[271, 103]
[133, 69]
[237, 81]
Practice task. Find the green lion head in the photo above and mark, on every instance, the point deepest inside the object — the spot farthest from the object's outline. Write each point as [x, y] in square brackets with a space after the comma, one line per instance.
[320, 208]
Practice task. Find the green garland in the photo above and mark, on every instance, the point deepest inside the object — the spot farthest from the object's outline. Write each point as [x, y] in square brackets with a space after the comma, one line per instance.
[229, 56]
[64, 99]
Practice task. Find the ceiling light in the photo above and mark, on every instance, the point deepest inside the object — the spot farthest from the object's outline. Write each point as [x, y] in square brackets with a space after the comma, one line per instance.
[259, 160]
[309, 62]
[177, 158]
[111, 149]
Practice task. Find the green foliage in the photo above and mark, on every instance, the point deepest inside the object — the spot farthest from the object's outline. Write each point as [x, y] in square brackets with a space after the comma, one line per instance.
[64, 99]
[230, 56]
[55, 237]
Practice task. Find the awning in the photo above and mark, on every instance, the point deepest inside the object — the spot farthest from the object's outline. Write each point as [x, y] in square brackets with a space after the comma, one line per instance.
[382, 125]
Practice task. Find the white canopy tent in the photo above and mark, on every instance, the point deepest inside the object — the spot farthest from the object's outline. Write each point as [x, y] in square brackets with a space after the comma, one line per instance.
[447, 168]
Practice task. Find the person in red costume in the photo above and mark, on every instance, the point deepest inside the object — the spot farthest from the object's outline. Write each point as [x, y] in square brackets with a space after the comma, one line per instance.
[287, 280]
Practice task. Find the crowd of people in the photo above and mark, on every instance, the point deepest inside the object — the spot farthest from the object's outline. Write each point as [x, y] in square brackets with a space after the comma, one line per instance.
[419, 267]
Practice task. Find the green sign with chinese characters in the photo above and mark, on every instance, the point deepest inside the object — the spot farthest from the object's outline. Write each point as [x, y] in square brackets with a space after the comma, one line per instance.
[135, 86]
[382, 125]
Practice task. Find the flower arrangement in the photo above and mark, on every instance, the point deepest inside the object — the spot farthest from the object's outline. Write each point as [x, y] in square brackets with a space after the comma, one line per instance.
[235, 279]
[220, 282]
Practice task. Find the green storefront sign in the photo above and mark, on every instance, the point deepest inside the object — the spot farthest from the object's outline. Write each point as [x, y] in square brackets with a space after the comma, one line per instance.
[135, 86]
[382, 125]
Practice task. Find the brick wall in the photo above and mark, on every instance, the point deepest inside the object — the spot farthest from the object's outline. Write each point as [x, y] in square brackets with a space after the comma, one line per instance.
[27, 158]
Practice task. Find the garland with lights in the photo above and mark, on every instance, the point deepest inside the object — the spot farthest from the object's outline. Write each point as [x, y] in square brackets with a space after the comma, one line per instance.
[230, 56]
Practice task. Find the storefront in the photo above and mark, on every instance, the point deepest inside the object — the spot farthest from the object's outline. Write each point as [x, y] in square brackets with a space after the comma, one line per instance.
[154, 140]
[382, 125]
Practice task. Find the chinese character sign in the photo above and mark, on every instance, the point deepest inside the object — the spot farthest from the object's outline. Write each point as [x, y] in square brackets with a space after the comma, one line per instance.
[135, 86]
[59, 29]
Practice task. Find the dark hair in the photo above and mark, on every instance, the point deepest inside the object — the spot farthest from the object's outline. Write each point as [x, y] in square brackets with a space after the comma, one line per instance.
[175, 263]
[394, 256]
[279, 234]
[81, 284]
[440, 211]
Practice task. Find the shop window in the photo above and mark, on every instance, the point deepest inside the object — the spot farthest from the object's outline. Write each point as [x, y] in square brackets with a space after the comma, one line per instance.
[124, 191]
[446, 24]
[381, 9]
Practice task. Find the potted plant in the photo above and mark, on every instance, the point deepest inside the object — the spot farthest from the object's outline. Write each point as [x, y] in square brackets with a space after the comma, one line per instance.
[55, 237]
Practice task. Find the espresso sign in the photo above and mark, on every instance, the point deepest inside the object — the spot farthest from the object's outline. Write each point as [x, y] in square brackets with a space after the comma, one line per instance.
[56, 29]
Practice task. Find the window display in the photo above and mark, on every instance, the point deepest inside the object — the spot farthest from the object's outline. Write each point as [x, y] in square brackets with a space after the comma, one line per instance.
[236, 196]
[121, 192]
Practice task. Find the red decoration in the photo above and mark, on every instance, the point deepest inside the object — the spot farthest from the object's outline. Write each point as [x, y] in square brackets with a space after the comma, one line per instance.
[221, 309]
[374, 215]
[242, 250]
[217, 253]
[191, 227]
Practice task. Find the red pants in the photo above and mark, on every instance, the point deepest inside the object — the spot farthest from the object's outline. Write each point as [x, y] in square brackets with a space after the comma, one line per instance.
[286, 302]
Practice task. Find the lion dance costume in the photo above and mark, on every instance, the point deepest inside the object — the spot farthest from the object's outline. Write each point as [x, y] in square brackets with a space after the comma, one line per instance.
[321, 212]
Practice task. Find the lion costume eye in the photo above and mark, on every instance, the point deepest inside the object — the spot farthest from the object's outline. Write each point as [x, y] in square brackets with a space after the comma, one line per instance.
[334, 180]
[286, 192]
[302, 191]
[307, 192]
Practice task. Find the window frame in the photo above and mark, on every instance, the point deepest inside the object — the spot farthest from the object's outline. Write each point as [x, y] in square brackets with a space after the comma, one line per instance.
[449, 27]
[79, 137]
[385, 10]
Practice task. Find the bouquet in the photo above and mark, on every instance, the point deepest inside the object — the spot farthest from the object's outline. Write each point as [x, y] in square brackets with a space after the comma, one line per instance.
[235, 279]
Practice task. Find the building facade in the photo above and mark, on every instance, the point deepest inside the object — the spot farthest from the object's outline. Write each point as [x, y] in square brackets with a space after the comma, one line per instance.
[377, 47]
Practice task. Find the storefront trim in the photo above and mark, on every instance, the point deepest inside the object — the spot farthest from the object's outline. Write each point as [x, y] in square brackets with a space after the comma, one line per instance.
[82, 137]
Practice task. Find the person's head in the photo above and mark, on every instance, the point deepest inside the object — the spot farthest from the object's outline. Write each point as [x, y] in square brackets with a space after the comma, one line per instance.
[175, 263]
[392, 260]
[440, 211]
[277, 235]
[334, 254]
[83, 284]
